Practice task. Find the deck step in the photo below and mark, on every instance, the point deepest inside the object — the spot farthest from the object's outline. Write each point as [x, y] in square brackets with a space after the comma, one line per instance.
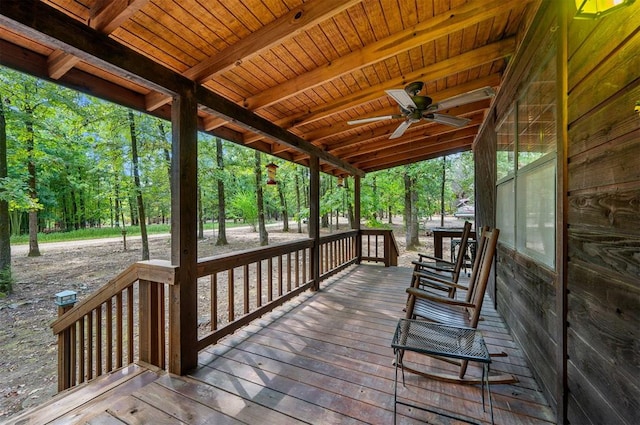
[80, 403]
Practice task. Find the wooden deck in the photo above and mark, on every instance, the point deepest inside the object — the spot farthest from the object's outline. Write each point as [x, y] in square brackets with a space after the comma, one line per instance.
[324, 358]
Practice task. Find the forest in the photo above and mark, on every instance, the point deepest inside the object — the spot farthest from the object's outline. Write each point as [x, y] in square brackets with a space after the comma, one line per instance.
[73, 163]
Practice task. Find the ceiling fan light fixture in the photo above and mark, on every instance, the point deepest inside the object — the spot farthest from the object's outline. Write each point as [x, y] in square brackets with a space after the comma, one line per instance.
[595, 9]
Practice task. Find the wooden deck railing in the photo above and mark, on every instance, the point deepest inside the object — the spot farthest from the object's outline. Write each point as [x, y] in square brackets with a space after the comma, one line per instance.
[379, 245]
[99, 334]
[245, 285]
[127, 319]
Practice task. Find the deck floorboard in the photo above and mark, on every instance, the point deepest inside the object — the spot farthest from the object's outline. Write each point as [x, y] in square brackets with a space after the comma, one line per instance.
[324, 358]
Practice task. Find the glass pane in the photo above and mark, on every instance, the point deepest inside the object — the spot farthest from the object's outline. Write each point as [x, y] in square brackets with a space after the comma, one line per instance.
[537, 117]
[506, 146]
[536, 209]
[505, 213]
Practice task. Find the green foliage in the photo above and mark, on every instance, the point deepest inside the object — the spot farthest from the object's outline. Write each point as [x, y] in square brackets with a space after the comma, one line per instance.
[6, 282]
[82, 154]
[244, 205]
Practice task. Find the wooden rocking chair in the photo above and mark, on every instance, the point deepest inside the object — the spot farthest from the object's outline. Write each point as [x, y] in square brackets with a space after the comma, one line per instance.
[427, 306]
[429, 271]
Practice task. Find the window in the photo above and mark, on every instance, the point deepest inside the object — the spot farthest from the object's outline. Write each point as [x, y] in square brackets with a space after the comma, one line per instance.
[526, 169]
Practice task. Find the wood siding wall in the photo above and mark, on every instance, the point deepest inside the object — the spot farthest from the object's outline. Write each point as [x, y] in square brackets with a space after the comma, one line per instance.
[525, 293]
[604, 220]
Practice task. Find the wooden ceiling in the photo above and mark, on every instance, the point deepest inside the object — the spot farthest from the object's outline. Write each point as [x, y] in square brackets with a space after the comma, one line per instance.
[281, 76]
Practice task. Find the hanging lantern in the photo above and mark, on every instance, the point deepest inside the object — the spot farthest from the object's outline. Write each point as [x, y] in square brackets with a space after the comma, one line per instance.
[271, 173]
[594, 9]
[340, 181]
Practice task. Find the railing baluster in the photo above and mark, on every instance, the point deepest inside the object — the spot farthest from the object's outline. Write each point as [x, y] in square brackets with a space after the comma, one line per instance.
[109, 329]
[259, 283]
[270, 279]
[288, 272]
[99, 340]
[214, 301]
[297, 268]
[119, 333]
[81, 360]
[246, 288]
[280, 272]
[130, 322]
[90, 346]
[230, 296]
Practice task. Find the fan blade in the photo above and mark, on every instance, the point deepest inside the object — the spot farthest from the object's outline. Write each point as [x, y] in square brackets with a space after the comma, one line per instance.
[448, 120]
[400, 130]
[464, 98]
[403, 99]
[374, 119]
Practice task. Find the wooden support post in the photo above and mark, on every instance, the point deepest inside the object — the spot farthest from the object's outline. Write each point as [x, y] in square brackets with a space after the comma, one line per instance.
[64, 353]
[149, 324]
[183, 299]
[356, 216]
[314, 219]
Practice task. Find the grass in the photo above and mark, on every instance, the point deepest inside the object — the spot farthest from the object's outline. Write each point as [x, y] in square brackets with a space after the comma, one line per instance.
[105, 232]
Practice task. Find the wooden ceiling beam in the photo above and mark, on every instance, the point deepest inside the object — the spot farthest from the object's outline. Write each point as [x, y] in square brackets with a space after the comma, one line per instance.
[429, 132]
[441, 25]
[442, 69]
[335, 129]
[366, 140]
[375, 92]
[51, 27]
[417, 145]
[105, 17]
[109, 15]
[235, 113]
[32, 63]
[289, 25]
[390, 162]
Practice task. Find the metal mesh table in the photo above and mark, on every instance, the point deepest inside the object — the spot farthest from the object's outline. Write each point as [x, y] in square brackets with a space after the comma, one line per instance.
[439, 340]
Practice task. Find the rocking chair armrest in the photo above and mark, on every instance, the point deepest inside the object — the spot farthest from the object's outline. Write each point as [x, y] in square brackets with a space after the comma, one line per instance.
[429, 277]
[431, 257]
[446, 267]
[419, 293]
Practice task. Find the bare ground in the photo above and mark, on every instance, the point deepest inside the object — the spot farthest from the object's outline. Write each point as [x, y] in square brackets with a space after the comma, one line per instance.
[28, 355]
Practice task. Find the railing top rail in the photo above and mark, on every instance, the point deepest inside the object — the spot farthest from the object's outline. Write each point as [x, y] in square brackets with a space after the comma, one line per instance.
[154, 270]
[338, 235]
[218, 263]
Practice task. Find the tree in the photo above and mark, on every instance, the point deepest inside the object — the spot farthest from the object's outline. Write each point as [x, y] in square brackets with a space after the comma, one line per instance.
[222, 224]
[5, 235]
[262, 229]
[137, 186]
[411, 209]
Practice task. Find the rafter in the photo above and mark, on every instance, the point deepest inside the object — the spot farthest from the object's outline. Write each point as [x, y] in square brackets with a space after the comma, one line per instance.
[431, 29]
[106, 16]
[51, 27]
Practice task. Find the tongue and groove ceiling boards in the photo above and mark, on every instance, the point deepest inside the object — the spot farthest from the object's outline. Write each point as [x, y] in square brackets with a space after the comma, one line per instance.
[282, 76]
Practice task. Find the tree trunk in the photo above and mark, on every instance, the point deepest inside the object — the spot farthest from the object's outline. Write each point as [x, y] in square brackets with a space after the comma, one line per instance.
[136, 178]
[5, 234]
[262, 229]
[283, 207]
[222, 219]
[444, 176]
[200, 215]
[410, 213]
[34, 250]
[298, 208]
[349, 204]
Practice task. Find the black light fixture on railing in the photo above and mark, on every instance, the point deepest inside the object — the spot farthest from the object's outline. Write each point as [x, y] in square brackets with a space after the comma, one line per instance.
[594, 9]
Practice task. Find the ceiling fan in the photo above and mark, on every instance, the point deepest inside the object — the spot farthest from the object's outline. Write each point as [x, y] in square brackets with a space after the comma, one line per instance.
[414, 107]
